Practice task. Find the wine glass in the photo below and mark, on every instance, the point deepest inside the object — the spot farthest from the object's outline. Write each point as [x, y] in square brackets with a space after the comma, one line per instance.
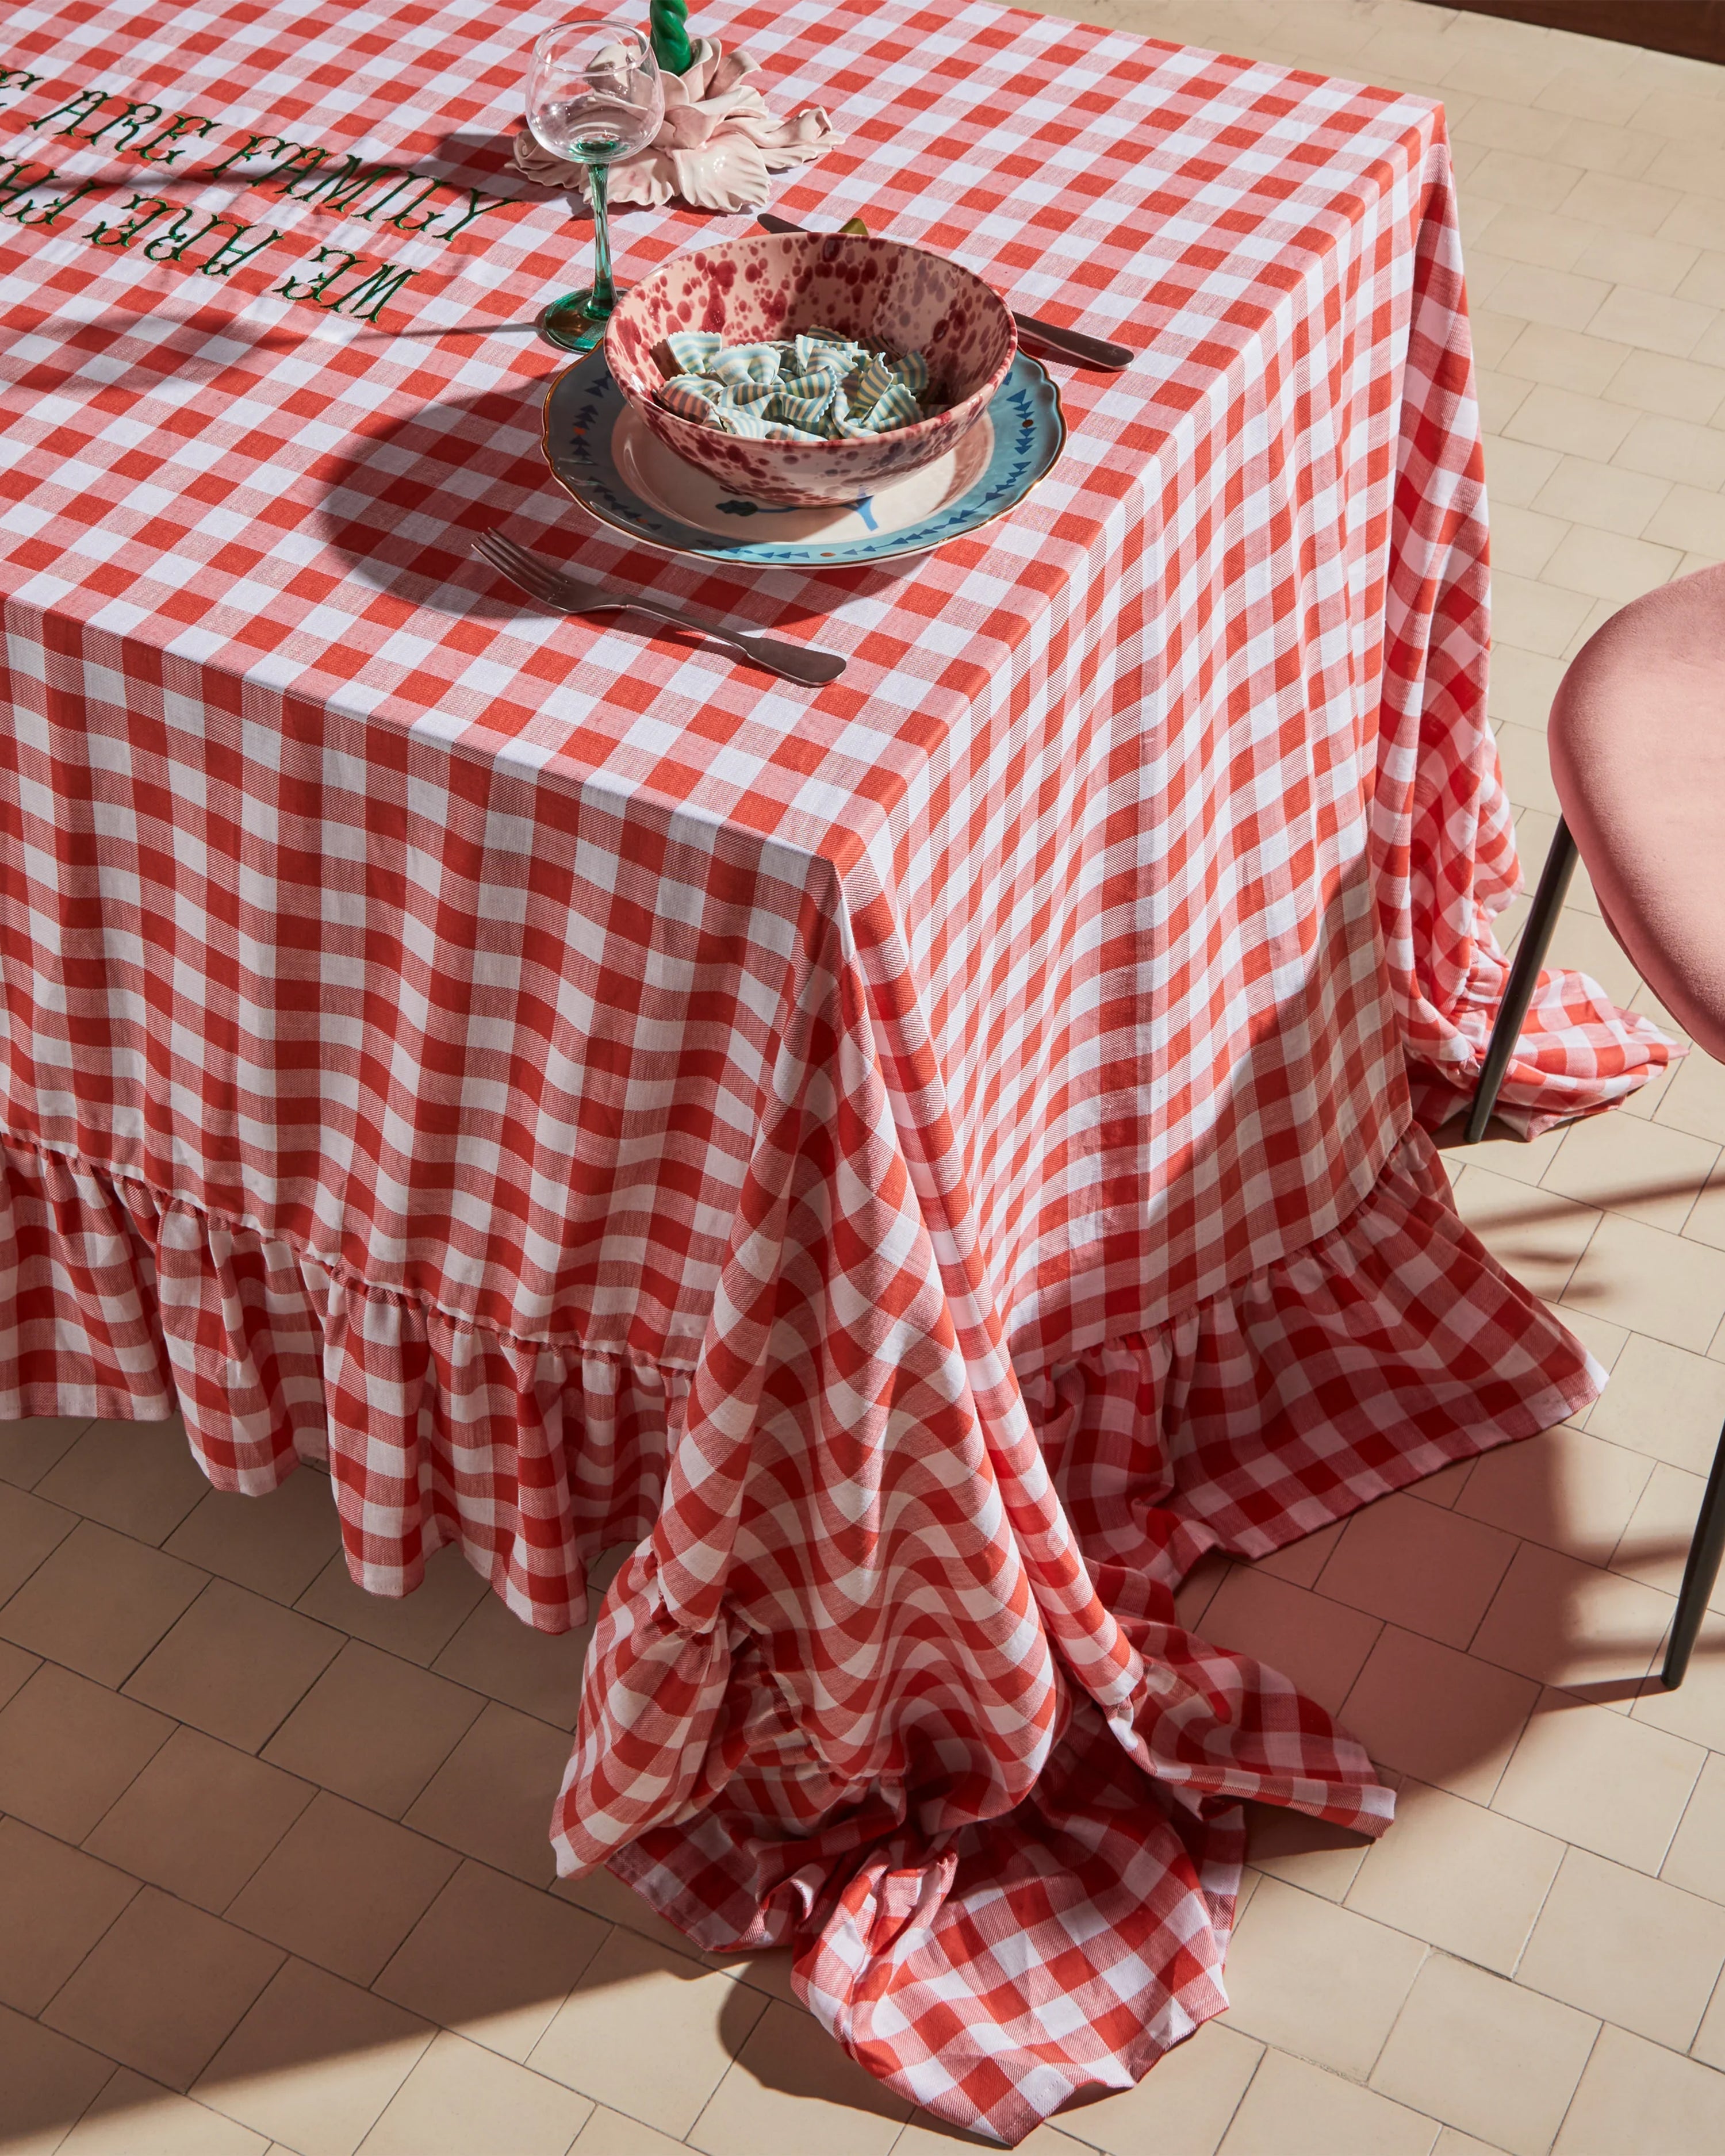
[595, 95]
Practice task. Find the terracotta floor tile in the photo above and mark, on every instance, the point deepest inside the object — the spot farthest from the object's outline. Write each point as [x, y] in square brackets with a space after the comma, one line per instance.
[1486, 2056]
[1464, 1878]
[1182, 2108]
[417, 1627]
[648, 2032]
[603, 1894]
[1707, 1222]
[1673, 450]
[1647, 1098]
[133, 2116]
[28, 1449]
[234, 1666]
[1638, 1953]
[1582, 941]
[1655, 1542]
[68, 1749]
[55, 1903]
[1301, 1562]
[1696, 1709]
[462, 2100]
[1536, 1234]
[30, 1529]
[163, 1988]
[1198, 1590]
[1530, 539]
[1317, 1643]
[1665, 1402]
[314, 2063]
[1709, 2044]
[99, 1603]
[1316, 1980]
[1605, 495]
[792, 2089]
[49, 2081]
[374, 1728]
[610, 2133]
[275, 1545]
[1303, 1851]
[1524, 683]
[137, 1477]
[1666, 1285]
[343, 1887]
[199, 1819]
[1526, 764]
[1292, 2109]
[925, 2136]
[1427, 1569]
[1697, 1858]
[496, 1654]
[1565, 1489]
[1600, 1780]
[17, 1668]
[1622, 1164]
[1637, 2095]
[1438, 1715]
[1566, 421]
[768, 1972]
[493, 1959]
[1567, 1622]
[1694, 1099]
[1444, 1488]
[492, 1797]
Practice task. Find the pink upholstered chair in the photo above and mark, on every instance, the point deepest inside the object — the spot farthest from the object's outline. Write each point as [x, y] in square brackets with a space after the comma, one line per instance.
[1637, 739]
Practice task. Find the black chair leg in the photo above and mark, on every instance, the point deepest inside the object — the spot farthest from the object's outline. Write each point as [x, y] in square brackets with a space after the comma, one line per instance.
[1702, 1569]
[1523, 977]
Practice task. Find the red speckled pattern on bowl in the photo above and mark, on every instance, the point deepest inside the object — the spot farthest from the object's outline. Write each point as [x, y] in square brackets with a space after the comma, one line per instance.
[770, 285]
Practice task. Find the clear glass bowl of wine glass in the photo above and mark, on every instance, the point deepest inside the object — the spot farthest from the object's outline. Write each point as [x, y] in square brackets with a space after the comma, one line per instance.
[594, 94]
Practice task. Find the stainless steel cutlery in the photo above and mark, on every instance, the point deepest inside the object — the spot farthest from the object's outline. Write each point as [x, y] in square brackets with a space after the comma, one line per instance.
[554, 587]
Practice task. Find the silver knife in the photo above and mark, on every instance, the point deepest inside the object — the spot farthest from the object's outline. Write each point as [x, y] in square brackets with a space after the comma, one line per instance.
[1071, 344]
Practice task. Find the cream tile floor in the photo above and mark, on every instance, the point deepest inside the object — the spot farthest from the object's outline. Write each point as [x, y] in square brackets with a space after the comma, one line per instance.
[273, 1866]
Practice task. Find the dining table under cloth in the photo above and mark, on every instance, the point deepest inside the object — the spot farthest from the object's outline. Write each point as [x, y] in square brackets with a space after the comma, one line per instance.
[921, 1161]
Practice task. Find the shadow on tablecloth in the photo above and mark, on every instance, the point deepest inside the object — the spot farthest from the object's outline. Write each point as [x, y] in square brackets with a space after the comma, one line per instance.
[375, 490]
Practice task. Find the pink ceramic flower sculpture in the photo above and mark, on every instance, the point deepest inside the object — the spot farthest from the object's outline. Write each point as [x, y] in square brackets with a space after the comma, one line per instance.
[716, 150]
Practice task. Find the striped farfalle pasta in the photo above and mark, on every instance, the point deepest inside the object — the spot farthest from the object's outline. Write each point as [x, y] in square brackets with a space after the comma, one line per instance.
[815, 386]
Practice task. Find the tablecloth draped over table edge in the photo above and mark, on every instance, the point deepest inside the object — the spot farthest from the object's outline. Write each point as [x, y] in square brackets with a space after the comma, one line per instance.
[1115, 1825]
[1009, 1866]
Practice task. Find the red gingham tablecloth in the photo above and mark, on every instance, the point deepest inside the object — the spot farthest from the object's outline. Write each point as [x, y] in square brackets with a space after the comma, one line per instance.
[924, 1160]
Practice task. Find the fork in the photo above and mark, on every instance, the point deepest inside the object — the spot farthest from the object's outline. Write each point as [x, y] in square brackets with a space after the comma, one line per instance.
[1073, 345]
[544, 581]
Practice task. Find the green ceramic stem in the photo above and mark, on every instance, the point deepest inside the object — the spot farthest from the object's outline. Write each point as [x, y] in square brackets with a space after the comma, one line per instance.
[669, 22]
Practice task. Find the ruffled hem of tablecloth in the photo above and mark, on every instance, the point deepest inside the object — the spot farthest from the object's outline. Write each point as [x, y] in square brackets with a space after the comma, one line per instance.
[533, 1457]
[999, 1971]
[1053, 1944]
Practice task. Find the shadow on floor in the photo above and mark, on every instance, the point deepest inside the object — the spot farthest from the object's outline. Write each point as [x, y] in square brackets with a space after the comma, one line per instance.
[538, 1973]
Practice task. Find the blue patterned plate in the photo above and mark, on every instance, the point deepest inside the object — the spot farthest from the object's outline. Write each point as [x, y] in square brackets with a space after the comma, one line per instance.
[603, 455]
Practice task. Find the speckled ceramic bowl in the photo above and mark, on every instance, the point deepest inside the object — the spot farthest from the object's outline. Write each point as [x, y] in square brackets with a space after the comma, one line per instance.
[770, 285]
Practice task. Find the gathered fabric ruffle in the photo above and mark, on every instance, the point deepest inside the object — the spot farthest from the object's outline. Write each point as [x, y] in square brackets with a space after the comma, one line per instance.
[1008, 1885]
[1577, 1054]
[533, 1457]
[936, 1883]
[1381, 1353]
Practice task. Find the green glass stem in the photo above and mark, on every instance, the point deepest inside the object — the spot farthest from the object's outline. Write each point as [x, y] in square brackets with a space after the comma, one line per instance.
[576, 321]
[602, 297]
